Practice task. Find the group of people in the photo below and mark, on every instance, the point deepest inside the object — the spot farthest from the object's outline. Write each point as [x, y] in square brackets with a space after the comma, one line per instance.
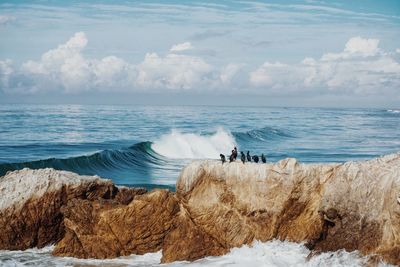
[243, 157]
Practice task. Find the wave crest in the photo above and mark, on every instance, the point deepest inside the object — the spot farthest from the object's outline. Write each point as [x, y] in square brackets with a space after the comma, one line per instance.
[178, 145]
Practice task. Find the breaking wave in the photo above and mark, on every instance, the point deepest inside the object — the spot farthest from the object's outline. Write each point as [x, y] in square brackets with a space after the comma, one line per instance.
[178, 145]
[161, 159]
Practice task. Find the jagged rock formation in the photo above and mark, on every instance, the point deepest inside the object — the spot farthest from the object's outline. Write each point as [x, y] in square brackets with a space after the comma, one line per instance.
[31, 203]
[98, 230]
[355, 206]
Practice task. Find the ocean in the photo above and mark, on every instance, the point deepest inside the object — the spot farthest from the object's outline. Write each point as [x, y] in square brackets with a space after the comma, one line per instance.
[147, 146]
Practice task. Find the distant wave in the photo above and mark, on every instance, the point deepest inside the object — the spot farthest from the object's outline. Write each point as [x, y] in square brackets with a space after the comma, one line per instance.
[263, 134]
[178, 145]
[393, 110]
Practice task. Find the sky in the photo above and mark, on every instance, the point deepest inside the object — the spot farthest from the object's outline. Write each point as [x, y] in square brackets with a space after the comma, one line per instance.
[272, 53]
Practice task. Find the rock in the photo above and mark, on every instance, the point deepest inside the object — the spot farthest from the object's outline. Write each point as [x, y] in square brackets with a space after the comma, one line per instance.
[31, 203]
[106, 229]
[188, 242]
[350, 206]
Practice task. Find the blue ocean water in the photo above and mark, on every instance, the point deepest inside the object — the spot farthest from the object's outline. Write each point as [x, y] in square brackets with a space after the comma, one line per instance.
[149, 145]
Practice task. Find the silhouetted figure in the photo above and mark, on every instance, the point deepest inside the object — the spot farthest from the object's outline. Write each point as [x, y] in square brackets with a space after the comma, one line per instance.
[234, 152]
[242, 157]
[263, 158]
[232, 156]
[255, 158]
[223, 159]
[248, 156]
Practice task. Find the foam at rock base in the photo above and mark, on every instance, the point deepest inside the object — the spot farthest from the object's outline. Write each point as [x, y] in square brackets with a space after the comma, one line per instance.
[274, 254]
[180, 145]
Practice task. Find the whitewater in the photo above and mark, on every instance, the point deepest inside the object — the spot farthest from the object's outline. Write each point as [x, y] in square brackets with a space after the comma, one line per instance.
[273, 254]
[148, 146]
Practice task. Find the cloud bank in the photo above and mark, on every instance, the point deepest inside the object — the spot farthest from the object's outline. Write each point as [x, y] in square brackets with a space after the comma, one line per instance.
[361, 68]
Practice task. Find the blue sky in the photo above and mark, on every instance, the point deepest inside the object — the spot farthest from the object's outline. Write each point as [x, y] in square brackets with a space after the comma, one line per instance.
[311, 53]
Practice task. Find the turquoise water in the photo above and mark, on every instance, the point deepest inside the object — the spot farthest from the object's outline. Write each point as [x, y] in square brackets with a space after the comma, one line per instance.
[148, 145]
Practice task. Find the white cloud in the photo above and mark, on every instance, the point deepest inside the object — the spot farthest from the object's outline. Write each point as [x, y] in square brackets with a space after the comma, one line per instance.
[56, 58]
[181, 47]
[111, 69]
[356, 47]
[366, 47]
[173, 71]
[66, 68]
[361, 68]
[229, 72]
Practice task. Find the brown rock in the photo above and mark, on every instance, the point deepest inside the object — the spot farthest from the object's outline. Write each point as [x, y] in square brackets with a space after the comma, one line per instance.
[188, 242]
[31, 203]
[106, 229]
[350, 206]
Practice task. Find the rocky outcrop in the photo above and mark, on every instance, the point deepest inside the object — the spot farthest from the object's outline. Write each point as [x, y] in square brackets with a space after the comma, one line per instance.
[107, 230]
[352, 206]
[32, 200]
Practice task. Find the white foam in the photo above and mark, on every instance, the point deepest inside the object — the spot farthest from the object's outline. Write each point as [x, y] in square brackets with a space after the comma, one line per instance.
[43, 257]
[180, 145]
[393, 110]
[273, 253]
[278, 253]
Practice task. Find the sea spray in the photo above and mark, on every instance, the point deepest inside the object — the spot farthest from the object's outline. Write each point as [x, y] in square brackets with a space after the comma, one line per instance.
[178, 145]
